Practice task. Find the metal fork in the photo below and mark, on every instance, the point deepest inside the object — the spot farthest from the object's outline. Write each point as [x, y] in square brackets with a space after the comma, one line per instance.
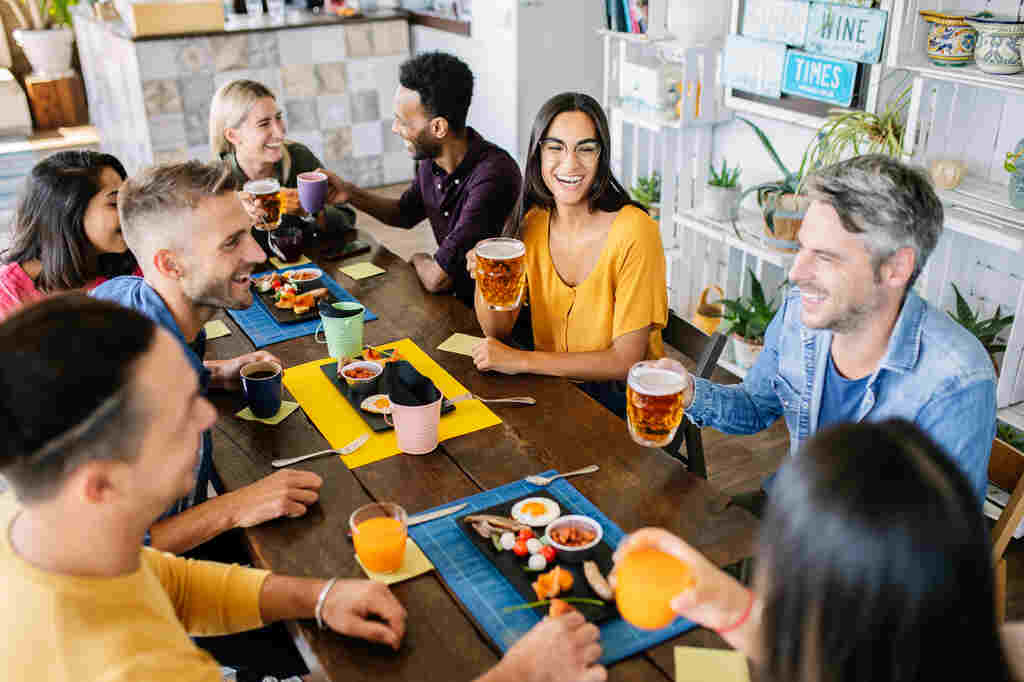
[544, 480]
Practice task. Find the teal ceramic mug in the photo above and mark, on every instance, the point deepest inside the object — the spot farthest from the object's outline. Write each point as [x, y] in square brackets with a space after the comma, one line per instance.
[342, 326]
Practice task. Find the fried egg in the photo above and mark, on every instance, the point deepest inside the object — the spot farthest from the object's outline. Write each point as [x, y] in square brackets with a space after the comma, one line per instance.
[377, 404]
[536, 511]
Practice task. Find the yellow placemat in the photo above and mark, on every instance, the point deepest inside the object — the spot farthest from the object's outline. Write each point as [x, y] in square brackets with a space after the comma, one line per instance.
[287, 407]
[340, 423]
[362, 270]
[415, 563]
[216, 329]
[460, 343]
[695, 664]
[278, 264]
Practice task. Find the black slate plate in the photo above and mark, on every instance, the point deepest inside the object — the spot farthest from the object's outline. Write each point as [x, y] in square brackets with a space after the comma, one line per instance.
[511, 566]
[376, 422]
[286, 315]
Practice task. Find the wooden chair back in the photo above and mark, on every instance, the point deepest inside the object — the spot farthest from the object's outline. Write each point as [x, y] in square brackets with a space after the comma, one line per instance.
[704, 350]
[1006, 470]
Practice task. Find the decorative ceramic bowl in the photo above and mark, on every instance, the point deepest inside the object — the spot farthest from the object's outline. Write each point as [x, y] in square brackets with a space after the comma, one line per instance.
[948, 173]
[999, 43]
[951, 41]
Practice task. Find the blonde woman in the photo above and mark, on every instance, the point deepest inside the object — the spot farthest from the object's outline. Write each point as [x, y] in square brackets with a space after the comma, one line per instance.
[247, 130]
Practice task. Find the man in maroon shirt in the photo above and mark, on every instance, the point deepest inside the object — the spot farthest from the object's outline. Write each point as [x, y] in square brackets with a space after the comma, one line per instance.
[464, 185]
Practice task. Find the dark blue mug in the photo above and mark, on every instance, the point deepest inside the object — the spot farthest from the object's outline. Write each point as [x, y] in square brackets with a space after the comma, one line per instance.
[261, 382]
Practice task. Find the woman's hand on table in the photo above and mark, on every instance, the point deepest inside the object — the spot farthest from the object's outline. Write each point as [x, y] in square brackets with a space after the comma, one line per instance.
[492, 354]
[288, 492]
[338, 191]
[365, 609]
[226, 374]
[565, 648]
[715, 601]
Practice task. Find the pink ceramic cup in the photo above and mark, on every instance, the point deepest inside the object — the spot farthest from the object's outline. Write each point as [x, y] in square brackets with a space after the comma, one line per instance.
[416, 427]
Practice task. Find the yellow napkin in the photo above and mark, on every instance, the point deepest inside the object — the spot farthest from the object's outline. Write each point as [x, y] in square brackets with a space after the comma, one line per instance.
[460, 343]
[415, 563]
[287, 407]
[361, 270]
[694, 664]
[216, 329]
[278, 264]
[339, 422]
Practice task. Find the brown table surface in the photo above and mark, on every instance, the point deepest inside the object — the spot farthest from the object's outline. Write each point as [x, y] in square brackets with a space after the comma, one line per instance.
[635, 487]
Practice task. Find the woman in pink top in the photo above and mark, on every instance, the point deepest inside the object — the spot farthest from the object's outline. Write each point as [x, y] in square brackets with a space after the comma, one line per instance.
[67, 234]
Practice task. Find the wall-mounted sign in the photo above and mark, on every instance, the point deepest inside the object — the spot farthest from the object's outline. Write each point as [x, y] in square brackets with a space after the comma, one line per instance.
[754, 65]
[821, 78]
[846, 32]
[783, 21]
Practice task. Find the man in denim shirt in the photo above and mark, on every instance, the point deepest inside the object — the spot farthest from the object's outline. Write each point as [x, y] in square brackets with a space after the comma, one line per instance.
[852, 341]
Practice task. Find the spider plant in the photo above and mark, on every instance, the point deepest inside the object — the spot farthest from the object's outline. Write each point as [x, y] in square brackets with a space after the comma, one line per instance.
[1010, 164]
[41, 14]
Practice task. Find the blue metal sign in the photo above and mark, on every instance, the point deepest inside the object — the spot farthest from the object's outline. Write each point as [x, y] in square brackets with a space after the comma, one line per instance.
[821, 78]
[846, 32]
[754, 65]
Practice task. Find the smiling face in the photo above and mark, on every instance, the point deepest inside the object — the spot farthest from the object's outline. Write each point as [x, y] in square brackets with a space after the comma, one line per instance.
[413, 125]
[101, 223]
[839, 286]
[259, 139]
[222, 254]
[569, 154]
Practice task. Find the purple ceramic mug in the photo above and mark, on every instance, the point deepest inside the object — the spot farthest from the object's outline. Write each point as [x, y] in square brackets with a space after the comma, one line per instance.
[312, 191]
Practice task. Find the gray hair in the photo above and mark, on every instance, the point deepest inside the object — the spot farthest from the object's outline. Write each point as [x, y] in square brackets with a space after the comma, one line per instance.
[154, 204]
[890, 204]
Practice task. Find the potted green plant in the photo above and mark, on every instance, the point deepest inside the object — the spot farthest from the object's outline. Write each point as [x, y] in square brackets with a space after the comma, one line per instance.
[44, 34]
[746, 320]
[1016, 175]
[985, 331]
[647, 192]
[722, 195]
[847, 133]
[781, 202]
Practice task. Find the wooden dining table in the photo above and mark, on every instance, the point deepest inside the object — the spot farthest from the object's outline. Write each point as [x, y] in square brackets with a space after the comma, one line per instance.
[566, 430]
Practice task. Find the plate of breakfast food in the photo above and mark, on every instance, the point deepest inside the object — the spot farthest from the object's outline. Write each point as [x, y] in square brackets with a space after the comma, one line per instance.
[290, 297]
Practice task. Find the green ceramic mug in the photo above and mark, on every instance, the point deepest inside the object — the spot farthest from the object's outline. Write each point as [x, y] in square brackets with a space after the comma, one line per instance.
[342, 327]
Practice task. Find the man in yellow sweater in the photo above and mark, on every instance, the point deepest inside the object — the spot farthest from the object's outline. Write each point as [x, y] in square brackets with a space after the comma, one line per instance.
[103, 420]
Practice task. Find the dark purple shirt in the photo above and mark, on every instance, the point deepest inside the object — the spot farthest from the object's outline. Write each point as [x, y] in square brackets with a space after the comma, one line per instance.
[470, 204]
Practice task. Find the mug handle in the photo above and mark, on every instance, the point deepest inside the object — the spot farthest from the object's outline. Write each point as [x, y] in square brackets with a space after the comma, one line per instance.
[316, 334]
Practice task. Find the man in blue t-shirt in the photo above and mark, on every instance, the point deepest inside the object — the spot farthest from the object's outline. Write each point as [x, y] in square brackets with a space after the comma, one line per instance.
[853, 341]
[190, 234]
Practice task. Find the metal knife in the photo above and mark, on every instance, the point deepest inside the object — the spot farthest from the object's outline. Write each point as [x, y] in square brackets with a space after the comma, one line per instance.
[430, 516]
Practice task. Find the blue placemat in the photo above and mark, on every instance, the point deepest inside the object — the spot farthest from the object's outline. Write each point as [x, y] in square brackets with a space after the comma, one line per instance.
[261, 327]
[485, 592]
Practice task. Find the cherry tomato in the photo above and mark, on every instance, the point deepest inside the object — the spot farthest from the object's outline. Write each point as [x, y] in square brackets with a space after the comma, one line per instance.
[520, 548]
[525, 534]
[549, 553]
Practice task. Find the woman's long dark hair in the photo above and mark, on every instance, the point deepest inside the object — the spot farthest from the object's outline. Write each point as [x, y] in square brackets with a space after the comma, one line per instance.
[876, 563]
[606, 194]
[49, 225]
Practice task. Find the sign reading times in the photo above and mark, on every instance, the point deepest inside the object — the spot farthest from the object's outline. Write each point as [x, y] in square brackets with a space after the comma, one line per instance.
[821, 78]
[846, 32]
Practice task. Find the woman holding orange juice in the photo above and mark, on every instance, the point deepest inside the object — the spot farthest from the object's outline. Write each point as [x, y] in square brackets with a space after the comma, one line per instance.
[873, 564]
[594, 262]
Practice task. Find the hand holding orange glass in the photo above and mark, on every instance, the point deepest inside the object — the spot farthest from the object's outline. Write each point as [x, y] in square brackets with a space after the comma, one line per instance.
[379, 534]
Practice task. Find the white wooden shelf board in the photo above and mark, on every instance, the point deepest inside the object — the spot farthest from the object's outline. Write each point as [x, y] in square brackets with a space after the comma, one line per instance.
[750, 226]
[986, 228]
[642, 119]
[969, 74]
[732, 367]
[1012, 415]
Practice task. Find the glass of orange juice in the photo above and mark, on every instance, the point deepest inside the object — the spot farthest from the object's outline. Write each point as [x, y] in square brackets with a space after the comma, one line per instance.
[379, 533]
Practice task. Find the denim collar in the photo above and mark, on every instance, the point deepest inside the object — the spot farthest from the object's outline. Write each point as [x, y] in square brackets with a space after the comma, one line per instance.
[905, 340]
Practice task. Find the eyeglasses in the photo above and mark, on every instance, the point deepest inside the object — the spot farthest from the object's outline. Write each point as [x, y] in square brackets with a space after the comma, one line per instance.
[556, 150]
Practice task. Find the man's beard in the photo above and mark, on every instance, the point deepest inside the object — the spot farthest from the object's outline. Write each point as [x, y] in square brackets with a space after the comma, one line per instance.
[215, 294]
[424, 147]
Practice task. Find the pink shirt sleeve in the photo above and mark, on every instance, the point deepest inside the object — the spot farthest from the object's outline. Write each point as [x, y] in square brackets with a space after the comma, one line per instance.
[16, 289]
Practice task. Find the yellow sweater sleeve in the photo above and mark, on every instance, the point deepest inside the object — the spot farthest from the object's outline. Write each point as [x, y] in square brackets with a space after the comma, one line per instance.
[641, 292]
[210, 598]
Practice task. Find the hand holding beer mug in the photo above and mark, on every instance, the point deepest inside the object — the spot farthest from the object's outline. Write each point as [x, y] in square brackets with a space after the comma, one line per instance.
[263, 198]
[500, 272]
[655, 399]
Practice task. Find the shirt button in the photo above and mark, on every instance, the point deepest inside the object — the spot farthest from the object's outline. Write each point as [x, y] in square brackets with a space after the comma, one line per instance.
[439, 185]
[456, 181]
[446, 214]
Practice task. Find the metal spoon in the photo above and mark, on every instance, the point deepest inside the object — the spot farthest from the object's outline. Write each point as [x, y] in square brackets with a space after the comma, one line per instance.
[520, 400]
[347, 450]
[544, 480]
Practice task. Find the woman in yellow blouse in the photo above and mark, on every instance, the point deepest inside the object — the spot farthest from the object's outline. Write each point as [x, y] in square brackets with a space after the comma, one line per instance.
[595, 266]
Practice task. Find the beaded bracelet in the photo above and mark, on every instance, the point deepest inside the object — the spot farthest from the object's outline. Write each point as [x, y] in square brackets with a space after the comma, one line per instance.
[743, 619]
[320, 602]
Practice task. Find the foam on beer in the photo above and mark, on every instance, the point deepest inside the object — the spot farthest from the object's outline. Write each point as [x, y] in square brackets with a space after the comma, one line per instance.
[501, 250]
[268, 186]
[656, 382]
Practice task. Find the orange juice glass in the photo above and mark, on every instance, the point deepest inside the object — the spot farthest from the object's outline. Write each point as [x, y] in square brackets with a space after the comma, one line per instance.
[379, 533]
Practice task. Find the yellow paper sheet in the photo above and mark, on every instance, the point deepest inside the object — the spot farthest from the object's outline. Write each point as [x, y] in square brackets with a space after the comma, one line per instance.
[340, 423]
[287, 407]
[361, 270]
[415, 563]
[694, 664]
[460, 343]
[279, 265]
[216, 329]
